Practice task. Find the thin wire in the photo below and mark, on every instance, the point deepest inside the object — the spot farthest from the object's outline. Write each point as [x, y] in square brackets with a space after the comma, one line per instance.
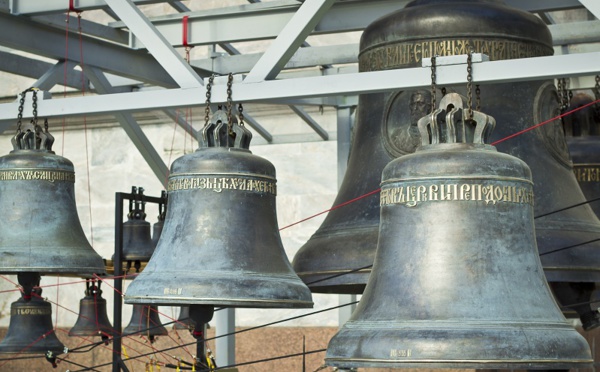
[566, 208]
[333, 208]
[233, 333]
[271, 359]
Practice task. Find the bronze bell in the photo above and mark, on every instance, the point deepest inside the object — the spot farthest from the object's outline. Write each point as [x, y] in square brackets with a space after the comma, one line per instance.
[93, 318]
[145, 322]
[228, 252]
[457, 280]
[184, 321]
[30, 330]
[40, 231]
[582, 130]
[137, 241]
[386, 124]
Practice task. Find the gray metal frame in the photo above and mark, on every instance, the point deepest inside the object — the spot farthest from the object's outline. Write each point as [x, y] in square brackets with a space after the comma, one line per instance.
[138, 52]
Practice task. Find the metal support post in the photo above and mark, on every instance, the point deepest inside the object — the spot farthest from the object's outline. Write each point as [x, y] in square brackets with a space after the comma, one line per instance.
[118, 282]
[344, 134]
[225, 346]
[117, 361]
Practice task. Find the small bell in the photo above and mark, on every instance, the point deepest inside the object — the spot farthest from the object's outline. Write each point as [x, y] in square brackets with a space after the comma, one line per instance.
[93, 318]
[145, 322]
[30, 330]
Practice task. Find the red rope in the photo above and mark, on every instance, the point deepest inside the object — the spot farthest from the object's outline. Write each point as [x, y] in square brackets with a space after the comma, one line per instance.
[545, 122]
[333, 208]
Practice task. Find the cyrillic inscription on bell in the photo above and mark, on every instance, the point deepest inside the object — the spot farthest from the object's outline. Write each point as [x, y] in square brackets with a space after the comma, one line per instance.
[220, 243]
[41, 231]
[457, 281]
[30, 330]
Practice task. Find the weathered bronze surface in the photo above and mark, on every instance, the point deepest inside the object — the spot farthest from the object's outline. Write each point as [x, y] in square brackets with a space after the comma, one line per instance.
[457, 281]
[40, 229]
[582, 130]
[93, 318]
[145, 322]
[386, 129]
[30, 330]
[184, 321]
[220, 244]
[137, 238]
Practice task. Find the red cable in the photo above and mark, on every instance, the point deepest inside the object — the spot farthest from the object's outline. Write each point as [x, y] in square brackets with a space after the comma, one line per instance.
[545, 122]
[332, 208]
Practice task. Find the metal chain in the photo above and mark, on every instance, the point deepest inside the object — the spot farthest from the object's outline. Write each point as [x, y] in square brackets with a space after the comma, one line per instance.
[559, 91]
[241, 113]
[20, 114]
[229, 100]
[470, 83]
[34, 105]
[433, 80]
[211, 79]
[443, 91]
[597, 87]
[477, 98]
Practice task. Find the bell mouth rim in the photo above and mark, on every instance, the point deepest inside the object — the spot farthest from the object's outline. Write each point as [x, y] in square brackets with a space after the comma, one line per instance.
[233, 302]
[457, 363]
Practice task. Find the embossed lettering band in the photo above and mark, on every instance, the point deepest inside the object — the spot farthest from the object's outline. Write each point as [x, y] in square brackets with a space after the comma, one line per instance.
[36, 175]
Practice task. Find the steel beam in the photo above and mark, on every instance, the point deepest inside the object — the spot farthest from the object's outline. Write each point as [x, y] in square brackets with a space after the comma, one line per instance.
[266, 20]
[22, 34]
[180, 120]
[289, 40]
[538, 68]
[132, 128]
[87, 27]
[61, 6]
[32, 68]
[158, 46]
[575, 32]
[304, 57]
[58, 6]
[593, 6]
[55, 74]
[310, 121]
[262, 21]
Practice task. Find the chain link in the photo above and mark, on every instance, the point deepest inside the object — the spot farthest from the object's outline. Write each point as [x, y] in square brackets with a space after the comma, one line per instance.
[597, 87]
[211, 79]
[34, 105]
[470, 83]
[241, 113]
[433, 81]
[20, 114]
[477, 98]
[229, 100]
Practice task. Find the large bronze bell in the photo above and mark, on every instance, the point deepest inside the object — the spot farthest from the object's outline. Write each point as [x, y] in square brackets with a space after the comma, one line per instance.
[40, 229]
[457, 280]
[145, 322]
[30, 330]
[423, 29]
[386, 125]
[220, 244]
[93, 318]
